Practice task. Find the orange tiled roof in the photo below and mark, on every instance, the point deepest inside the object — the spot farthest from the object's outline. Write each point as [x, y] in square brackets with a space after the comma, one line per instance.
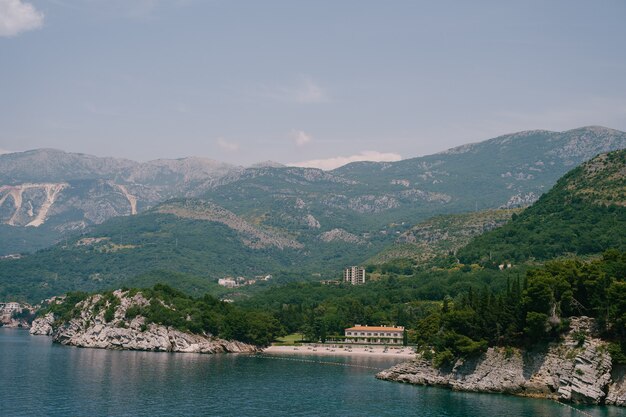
[376, 329]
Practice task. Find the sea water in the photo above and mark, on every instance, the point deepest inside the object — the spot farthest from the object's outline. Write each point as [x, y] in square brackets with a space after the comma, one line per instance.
[39, 378]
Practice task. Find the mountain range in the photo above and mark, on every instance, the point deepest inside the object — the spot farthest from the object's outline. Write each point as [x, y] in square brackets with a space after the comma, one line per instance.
[47, 195]
[220, 220]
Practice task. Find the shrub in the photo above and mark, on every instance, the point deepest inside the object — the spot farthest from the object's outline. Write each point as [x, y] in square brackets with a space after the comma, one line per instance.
[427, 355]
[443, 359]
[132, 312]
[508, 352]
[109, 314]
[579, 337]
[618, 353]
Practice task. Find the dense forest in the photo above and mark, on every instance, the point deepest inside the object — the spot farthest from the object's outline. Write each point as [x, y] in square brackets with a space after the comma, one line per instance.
[326, 310]
[457, 313]
[448, 313]
[532, 310]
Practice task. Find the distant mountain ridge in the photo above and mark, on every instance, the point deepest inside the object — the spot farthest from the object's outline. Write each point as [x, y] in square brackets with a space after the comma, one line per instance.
[384, 199]
[525, 164]
[89, 190]
[53, 165]
[47, 194]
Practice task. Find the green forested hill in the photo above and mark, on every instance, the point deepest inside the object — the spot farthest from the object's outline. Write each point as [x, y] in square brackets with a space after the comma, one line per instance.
[189, 243]
[585, 213]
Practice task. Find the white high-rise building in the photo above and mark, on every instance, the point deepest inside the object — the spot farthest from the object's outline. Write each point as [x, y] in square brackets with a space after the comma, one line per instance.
[355, 275]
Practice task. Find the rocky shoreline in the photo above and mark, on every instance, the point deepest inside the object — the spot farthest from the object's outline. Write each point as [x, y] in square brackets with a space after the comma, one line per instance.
[575, 370]
[12, 323]
[90, 330]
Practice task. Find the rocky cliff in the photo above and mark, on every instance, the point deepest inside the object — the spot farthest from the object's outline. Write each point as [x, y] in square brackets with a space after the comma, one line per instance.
[579, 370]
[93, 327]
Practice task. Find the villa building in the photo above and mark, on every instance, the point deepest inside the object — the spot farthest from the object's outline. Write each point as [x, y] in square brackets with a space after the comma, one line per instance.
[10, 307]
[7, 310]
[227, 282]
[354, 275]
[230, 282]
[393, 335]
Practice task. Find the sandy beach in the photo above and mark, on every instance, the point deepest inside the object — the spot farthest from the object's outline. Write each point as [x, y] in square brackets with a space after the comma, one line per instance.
[335, 350]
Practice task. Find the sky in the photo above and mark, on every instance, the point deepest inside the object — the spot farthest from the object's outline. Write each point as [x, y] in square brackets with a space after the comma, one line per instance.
[312, 83]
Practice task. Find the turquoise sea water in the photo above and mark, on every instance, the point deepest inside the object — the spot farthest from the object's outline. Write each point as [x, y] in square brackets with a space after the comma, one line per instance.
[38, 378]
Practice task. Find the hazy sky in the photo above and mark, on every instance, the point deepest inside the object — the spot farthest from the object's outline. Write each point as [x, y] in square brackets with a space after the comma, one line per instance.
[292, 81]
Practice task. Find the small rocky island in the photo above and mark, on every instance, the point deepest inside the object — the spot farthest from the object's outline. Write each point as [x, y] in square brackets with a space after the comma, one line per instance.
[578, 369]
[117, 320]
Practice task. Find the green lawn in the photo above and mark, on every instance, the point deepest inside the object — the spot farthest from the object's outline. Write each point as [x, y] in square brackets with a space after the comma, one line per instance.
[289, 340]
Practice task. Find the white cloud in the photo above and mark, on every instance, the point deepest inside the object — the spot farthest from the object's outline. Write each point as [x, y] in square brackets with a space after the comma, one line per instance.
[227, 145]
[336, 162]
[17, 17]
[300, 137]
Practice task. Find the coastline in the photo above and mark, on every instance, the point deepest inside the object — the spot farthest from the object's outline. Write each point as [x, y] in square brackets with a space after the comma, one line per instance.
[565, 371]
[328, 350]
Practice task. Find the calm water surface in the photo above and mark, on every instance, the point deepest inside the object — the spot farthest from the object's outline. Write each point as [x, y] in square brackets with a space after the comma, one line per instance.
[38, 378]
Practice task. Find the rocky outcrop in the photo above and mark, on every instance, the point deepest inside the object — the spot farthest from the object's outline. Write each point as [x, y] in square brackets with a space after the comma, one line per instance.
[441, 235]
[154, 338]
[616, 394]
[12, 323]
[340, 235]
[312, 222]
[252, 236]
[373, 204]
[90, 329]
[42, 326]
[520, 200]
[579, 369]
